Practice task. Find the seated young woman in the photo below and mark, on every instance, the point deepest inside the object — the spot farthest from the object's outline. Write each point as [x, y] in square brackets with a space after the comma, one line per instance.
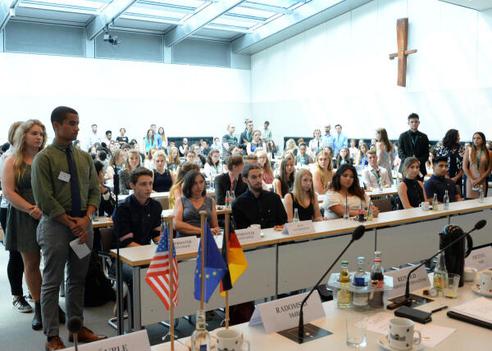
[213, 167]
[345, 192]
[303, 198]
[411, 190]
[163, 179]
[264, 162]
[285, 180]
[343, 157]
[323, 172]
[176, 190]
[187, 212]
[132, 163]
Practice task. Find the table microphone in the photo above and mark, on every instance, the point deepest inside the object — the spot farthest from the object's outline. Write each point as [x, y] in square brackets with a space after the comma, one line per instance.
[356, 235]
[74, 325]
[407, 301]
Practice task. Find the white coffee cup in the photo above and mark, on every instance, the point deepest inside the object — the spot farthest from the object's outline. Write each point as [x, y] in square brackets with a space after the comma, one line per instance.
[424, 206]
[231, 340]
[486, 282]
[401, 334]
[470, 274]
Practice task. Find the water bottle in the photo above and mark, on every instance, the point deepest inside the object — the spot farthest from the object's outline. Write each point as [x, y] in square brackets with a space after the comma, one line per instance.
[435, 203]
[480, 199]
[344, 296]
[445, 200]
[296, 216]
[369, 211]
[360, 299]
[377, 282]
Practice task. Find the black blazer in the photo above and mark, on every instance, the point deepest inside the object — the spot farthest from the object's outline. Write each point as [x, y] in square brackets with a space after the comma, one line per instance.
[223, 184]
[420, 150]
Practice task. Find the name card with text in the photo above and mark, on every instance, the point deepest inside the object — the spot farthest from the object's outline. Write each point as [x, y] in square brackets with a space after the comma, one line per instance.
[302, 227]
[137, 341]
[186, 244]
[418, 280]
[480, 258]
[283, 314]
[248, 235]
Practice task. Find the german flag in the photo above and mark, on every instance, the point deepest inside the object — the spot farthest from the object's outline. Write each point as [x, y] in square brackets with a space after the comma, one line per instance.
[235, 261]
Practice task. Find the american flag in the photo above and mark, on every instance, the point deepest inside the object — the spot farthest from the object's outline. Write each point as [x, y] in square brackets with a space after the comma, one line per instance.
[158, 276]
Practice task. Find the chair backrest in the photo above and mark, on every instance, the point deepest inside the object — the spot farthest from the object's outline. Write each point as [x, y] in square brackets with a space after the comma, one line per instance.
[106, 239]
[384, 205]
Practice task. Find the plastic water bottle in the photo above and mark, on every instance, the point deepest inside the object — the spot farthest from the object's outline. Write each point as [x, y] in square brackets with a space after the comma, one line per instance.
[296, 215]
[480, 199]
[435, 203]
[445, 200]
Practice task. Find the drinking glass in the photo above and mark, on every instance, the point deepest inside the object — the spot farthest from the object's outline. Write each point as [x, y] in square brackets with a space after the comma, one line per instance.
[356, 332]
[451, 290]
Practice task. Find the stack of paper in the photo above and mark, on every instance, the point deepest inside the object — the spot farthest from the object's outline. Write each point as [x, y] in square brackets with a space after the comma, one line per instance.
[480, 308]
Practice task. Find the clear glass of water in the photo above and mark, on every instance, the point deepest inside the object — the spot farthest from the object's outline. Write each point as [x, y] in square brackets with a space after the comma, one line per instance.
[356, 327]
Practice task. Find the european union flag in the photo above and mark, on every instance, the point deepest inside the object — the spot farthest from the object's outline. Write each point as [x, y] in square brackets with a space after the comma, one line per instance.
[215, 267]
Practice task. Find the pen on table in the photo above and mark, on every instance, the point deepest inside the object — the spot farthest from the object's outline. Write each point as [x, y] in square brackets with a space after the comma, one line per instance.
[439, 309]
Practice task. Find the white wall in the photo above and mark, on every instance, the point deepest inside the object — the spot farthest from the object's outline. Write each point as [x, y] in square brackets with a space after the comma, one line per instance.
[339, 72]
[185, 100]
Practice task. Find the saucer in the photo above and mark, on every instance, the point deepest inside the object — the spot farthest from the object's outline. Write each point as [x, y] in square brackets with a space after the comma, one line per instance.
[384, 343]
[476, 290]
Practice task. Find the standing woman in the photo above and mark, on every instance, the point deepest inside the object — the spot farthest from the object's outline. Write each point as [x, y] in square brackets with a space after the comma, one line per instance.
[266, 165]
[15, 266]
[385, 151]
[284, 182]
[150, 141]
[162, 177]
[315, 143]
[23, 215]
[477, 165]
[303, 198]
[132, 162]
[163, 139]
[454, 151]
[323, 172]
[411, 190]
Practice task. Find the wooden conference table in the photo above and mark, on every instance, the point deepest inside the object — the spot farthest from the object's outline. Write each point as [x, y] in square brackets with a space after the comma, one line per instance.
[465, 337]
[280, 263]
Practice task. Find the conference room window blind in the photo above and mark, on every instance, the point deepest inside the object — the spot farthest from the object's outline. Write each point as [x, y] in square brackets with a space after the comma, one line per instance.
[202, 52]
[41, 38]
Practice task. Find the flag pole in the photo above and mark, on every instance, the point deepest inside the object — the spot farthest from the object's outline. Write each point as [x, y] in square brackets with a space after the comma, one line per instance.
[171, 280]
[203, 218]
[226, 243]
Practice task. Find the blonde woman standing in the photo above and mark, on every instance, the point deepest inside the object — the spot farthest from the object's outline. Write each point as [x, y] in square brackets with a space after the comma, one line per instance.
[23, 214]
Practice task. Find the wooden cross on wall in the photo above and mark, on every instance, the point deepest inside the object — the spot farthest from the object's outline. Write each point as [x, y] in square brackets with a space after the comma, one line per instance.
[402, 40]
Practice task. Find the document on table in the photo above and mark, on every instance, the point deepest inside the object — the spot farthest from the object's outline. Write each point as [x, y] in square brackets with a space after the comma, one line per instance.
[480, 308]
[432, 334]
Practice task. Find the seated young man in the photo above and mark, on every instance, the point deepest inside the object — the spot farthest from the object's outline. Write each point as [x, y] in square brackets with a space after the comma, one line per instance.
[257, 206]
[439, 183]
[230, 181]
[137, 220]
[373, 175]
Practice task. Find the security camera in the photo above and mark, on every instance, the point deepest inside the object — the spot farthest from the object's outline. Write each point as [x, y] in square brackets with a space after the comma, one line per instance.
[113, 40]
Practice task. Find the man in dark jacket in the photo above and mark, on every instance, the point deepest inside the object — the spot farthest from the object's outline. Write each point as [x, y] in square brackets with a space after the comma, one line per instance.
[414, 143]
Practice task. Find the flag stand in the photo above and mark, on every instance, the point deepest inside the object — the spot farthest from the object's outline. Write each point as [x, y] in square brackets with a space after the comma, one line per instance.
[203, 218]
[226, 243]
[171, 280]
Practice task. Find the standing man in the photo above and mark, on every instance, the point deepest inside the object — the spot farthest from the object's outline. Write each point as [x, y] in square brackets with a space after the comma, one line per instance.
[257, 206]
[340, 141]
[229, 141]
[65, 187]
[414, 143]
[327, 139]
[267, 132]
[157, 136]
[246, 136]
[94, 138]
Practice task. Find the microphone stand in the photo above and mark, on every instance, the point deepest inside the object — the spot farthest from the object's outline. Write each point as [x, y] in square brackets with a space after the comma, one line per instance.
[119, 278]
[407, 300]
[356, 235]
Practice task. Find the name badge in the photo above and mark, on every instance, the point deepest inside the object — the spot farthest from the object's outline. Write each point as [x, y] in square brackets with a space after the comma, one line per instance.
[64, 177]
[418, 280]
[480, 258]
[248, 235]
[295, 228]
[284, 313]
[186, 244]
[137, 341]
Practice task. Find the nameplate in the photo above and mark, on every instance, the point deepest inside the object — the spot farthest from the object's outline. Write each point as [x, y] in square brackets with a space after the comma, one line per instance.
[418, 280]
[283, 314]
[137, 341]
[186, 244]
[480, 258]
[248, 235]
[296, 228]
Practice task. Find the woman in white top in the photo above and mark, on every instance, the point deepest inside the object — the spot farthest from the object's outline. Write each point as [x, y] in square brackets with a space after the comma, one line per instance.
[213, 167]
[345, 191]
[315, 143]
[385, 151]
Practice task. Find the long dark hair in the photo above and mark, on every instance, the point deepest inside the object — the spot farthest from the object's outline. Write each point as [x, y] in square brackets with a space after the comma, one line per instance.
[354, 189]
[189, 181]
[450, 140]
[288, 180]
